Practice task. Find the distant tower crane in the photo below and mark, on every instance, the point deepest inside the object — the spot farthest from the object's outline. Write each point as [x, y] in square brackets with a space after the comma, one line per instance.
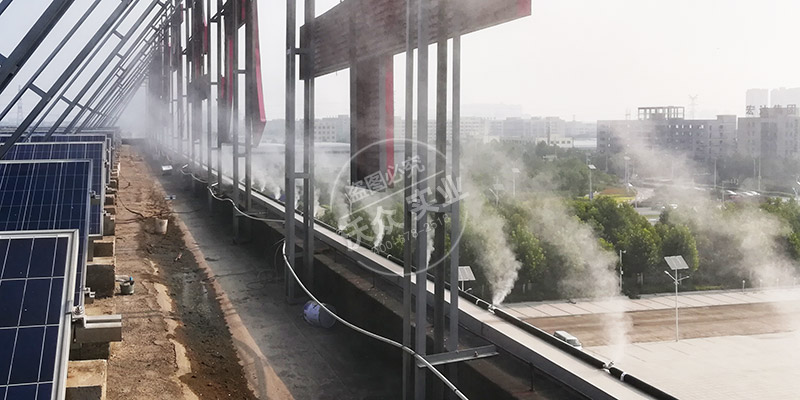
[20, 114]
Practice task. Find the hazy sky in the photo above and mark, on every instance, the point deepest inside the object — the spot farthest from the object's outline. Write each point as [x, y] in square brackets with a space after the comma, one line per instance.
[584, 58]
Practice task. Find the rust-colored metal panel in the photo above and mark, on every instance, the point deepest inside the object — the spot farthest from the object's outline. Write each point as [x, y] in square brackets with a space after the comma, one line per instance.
[379, 28]
[372, 119]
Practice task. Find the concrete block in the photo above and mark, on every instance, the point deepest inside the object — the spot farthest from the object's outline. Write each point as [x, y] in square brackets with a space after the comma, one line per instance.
[111, 199]
[90, 351]
[111, 191]
[104, 247]
[109, 224]
[114, 183]
[110, 210]
[101, 276]
[87, 380]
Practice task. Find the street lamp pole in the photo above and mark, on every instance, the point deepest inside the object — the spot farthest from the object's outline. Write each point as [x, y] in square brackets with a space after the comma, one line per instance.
[621, 273]
[677, 280]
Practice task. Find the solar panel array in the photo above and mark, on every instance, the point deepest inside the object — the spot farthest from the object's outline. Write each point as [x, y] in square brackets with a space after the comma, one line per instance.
[46, 195]
[36, 274]
[95, 152]
[94, 137]
[45, 188]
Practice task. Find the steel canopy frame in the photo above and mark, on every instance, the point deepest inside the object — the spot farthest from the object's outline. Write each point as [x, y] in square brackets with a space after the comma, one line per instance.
[31, 41]
[112, 92]
[47, 61]
[121, 101]
[108, 59]
[64, 76]
[97, 48]
[426, 22]
[112, 119]
[120, 94]
[131, 60]
[3, 5]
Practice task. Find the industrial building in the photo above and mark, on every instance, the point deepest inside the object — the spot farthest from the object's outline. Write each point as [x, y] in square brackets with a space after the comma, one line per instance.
[774, 133]
[666, 129]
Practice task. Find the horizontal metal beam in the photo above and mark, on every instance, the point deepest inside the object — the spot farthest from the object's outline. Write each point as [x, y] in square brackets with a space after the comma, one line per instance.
[37, 90]
[459, 355]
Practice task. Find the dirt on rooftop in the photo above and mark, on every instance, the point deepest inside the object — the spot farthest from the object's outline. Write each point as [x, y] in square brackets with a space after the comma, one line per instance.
[176, 343]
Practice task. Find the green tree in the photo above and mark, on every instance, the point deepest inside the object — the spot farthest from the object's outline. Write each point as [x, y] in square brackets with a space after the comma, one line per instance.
[677, 240]
[641, 251]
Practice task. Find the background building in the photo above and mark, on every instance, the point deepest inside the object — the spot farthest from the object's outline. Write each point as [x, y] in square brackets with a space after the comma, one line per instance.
[774, 133]
[333, 129]
[784, 97]
[755, 99]
[667, 129]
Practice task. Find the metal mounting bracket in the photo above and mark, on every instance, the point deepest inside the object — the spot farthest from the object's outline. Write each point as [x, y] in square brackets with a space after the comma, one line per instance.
[98, 329]
[459, 355]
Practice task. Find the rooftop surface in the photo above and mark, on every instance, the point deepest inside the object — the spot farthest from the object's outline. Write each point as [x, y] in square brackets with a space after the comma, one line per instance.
[763, 366]
[734, 344]
[652, 302]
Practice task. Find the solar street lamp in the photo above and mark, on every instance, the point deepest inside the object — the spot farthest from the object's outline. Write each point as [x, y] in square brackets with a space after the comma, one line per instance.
[465, 275]
[676, 263]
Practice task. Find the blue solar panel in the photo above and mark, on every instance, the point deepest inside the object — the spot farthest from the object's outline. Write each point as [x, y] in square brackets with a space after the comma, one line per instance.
[46, 195]
[36, 274]
[94, 137]
[60, 138]
[71, 151]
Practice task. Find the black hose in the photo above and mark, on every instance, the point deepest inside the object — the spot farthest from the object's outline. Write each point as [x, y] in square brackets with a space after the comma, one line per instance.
[640, 384]
[595, 362]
